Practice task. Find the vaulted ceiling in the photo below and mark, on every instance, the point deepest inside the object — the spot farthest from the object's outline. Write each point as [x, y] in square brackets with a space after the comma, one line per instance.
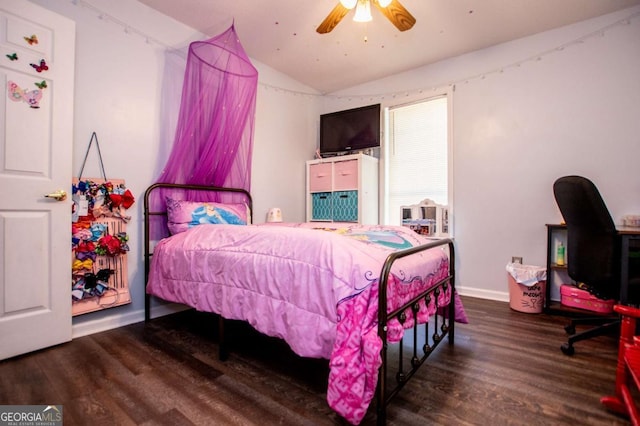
[282, 33]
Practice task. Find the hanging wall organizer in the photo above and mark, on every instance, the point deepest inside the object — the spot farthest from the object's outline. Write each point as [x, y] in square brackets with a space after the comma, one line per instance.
[99, 240]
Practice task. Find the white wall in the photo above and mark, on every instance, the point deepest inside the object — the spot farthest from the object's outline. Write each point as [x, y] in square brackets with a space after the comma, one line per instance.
[287, 123]
[118, 94]
[574, 111]
[525, 113]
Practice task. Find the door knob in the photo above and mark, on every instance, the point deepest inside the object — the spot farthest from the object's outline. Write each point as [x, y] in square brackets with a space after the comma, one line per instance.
[59, 195]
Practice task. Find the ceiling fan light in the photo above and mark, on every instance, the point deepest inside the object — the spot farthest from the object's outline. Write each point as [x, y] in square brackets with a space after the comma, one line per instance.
[349, 4]
[384, 3]
[363, 11]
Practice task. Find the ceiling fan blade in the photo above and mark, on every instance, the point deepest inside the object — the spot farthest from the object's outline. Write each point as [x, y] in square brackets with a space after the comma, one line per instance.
[397, 14]
[333, 19]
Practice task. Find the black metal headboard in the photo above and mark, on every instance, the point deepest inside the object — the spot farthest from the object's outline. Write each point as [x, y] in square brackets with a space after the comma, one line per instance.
[148, 214]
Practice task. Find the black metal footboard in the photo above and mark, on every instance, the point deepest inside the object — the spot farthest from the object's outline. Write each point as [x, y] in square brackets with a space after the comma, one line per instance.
[385, 391]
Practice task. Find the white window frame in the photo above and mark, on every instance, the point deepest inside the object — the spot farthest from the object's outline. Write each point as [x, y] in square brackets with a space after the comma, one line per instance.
[384, 188]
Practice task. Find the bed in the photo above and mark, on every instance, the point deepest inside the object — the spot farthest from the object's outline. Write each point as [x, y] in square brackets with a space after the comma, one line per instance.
[330, 290]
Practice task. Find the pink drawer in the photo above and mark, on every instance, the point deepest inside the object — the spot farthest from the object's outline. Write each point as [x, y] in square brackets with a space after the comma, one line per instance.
[320, 177]
[345, 175]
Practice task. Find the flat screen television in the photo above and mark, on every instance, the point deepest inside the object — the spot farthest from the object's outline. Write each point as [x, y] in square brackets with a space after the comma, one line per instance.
[350, 130]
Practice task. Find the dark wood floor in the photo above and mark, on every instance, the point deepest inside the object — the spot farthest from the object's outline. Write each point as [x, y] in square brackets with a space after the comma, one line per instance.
[505, 368]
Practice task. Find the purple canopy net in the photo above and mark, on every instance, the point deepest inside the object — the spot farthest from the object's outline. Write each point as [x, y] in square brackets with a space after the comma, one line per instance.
[213, 142]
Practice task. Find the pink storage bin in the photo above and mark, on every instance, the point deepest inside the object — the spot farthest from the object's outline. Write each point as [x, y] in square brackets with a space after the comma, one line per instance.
[576, 298]
[345, 175]
[320, 177]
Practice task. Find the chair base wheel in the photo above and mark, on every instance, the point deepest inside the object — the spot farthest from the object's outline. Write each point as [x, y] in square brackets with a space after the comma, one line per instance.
[567, 349]
[570, 329]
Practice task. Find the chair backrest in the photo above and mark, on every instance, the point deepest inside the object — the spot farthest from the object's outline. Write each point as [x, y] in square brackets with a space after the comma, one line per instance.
[592, 251]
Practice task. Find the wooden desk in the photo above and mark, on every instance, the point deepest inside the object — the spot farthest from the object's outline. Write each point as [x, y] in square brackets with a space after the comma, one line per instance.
[626, 234]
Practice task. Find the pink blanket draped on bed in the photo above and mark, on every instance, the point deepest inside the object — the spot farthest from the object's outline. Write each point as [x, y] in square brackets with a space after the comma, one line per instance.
[317, 290]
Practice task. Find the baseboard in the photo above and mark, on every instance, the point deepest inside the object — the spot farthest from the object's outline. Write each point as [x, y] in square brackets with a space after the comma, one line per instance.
[115, 321]
[500, 296]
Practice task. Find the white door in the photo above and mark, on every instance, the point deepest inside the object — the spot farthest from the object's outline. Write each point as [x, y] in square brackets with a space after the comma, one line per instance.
[37, 51]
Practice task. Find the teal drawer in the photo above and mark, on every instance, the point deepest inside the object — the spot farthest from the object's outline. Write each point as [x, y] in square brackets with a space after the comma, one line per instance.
[345, 206]
[321, 206]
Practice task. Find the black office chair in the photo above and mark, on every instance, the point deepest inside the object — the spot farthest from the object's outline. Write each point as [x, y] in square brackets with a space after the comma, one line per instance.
[593, 256]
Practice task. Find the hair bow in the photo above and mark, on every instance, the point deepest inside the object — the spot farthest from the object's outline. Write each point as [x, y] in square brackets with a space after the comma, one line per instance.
[82, 234]
[125, 199]
[123, 238]
[85, 246]
[81, 187]
[82, 264]
[108, 245]
[80, 225]
[101, 210]
[97, 229]
[84, 255]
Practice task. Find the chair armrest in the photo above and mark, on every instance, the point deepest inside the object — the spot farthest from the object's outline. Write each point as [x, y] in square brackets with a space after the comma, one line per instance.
[628, 311]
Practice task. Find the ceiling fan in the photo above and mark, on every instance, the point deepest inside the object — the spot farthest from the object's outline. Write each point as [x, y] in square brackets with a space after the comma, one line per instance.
[392, 9]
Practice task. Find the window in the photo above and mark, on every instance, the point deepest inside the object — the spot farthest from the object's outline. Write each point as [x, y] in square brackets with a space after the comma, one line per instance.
[417, 156]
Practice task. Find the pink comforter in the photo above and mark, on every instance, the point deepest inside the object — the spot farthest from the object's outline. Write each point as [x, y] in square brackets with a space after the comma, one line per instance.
[316, 290]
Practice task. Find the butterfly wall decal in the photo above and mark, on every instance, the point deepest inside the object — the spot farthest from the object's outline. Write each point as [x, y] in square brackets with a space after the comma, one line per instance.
[42, 67]
[31, 40]
[31, 97]
[41, 85]
[13, 56]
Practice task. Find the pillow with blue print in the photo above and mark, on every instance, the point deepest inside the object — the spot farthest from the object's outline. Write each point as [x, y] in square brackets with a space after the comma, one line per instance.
[183, 215]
